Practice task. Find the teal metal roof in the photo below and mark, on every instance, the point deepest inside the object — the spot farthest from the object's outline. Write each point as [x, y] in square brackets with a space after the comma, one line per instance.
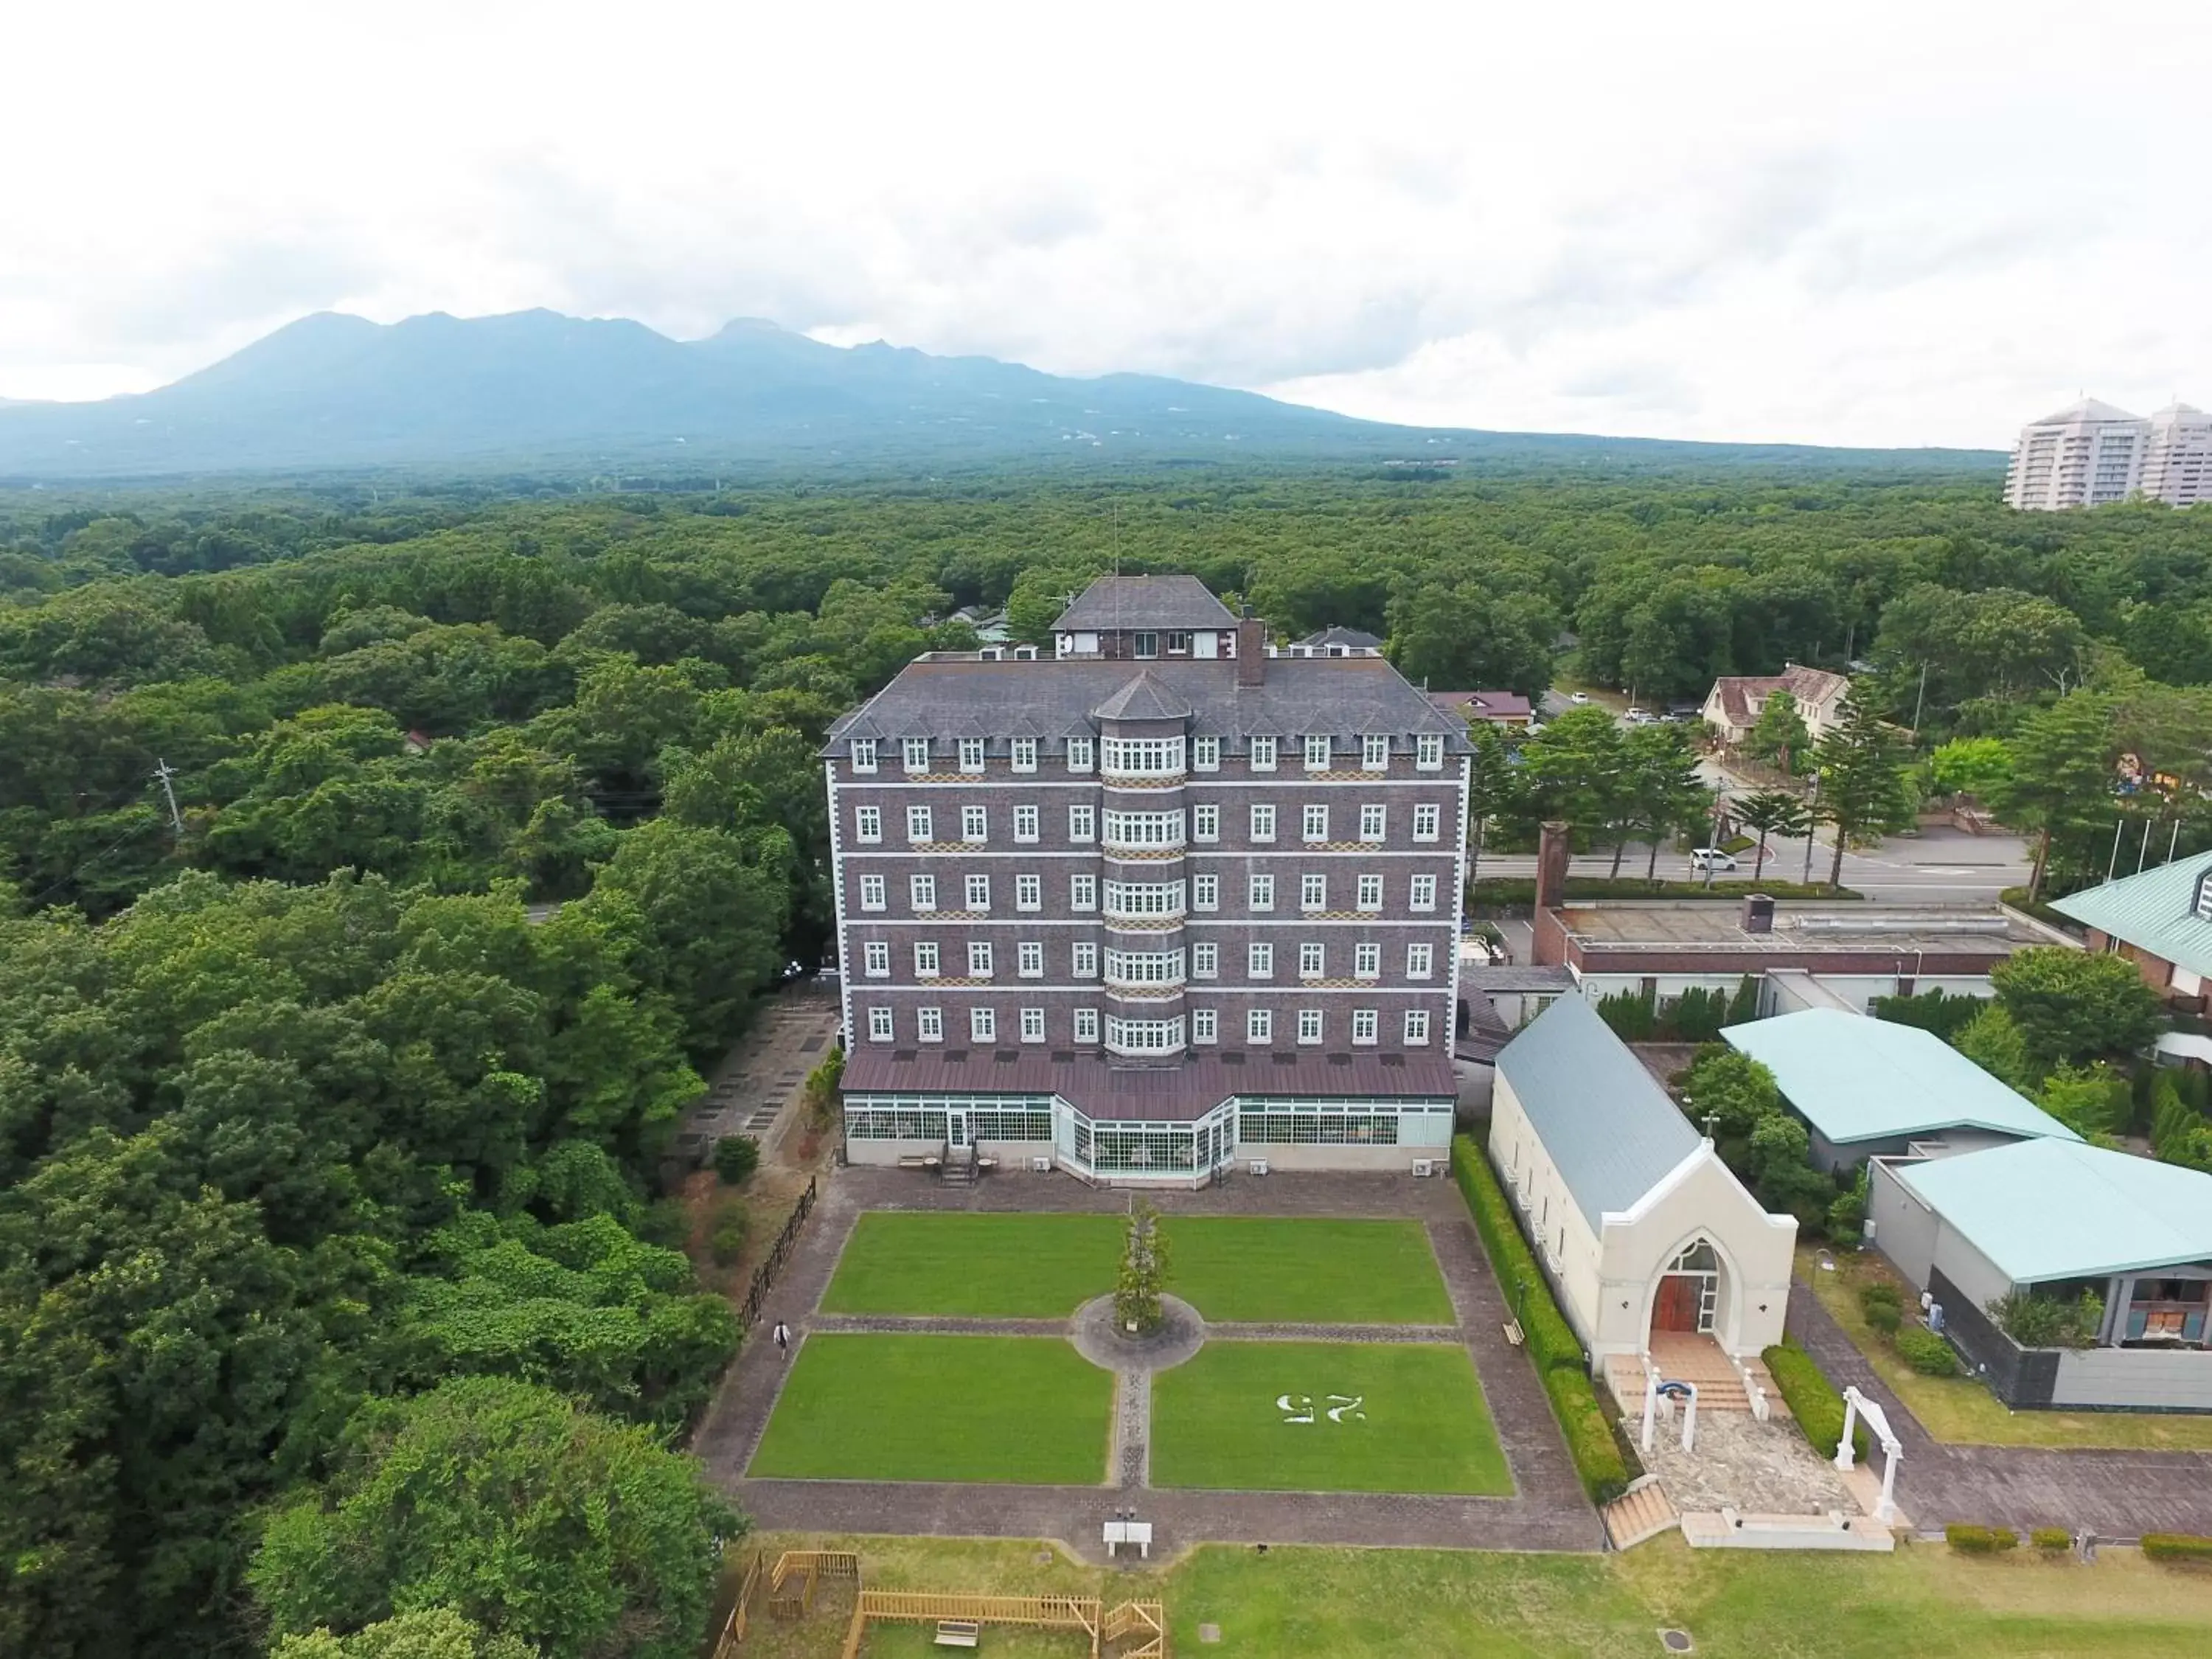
[1608, 1127]
[2154, 910]
[1854, 1078]
[2055, 1209]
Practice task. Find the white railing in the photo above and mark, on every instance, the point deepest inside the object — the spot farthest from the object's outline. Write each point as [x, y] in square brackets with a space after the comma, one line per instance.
[1752, 1389]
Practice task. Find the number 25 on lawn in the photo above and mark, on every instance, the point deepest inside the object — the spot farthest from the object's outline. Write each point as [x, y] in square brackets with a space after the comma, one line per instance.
[1342, 1408]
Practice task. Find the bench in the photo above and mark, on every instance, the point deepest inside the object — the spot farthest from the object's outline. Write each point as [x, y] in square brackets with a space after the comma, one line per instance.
[1139, 1533]
[1512, 1328]
[958, 1634]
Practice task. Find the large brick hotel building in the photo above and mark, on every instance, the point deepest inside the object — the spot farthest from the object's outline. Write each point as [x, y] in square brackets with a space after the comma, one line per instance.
[1160, 901]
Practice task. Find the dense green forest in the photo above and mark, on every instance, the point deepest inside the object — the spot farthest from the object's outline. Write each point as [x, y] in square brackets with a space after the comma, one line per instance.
[329, 1107]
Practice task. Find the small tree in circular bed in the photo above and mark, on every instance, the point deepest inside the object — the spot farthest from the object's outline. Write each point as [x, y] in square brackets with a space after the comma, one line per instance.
[1143, 1272]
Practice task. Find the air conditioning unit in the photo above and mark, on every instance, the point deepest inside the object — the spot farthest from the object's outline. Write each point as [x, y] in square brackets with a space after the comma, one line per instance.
[1424, 1167]
[1259, 1166]
[1041, 1166]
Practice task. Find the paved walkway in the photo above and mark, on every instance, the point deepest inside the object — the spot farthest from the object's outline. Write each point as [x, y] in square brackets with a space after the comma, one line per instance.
[2116, 1494]
[1546, 1511]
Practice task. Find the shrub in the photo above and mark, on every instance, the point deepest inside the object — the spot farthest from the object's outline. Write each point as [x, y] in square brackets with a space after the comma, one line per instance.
[1927, 1352]
[2052, 1539]
[2177, 1547]
[1981, 1540]
[1885, 1316]
[727, 1237]
[735, 1157]
[1551, 1342]
[1847, 1221]
[1879, 1291]
[2045, 1321]
[1814, 1402]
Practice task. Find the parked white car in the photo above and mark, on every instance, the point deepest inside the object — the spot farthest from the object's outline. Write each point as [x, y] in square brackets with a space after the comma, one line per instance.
[1711, 857]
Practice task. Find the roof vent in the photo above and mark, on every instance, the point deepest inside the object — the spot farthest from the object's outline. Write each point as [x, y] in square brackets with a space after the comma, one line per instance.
[1393, 1059]
[1287, 1060]
[1232, 1060]
[1063, 1056]
[1340, 1059]
[1007, 1056]
[955, 1056]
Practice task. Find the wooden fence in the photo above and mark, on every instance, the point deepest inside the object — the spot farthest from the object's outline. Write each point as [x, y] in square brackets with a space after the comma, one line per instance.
[733, 1628]
[778, 1254]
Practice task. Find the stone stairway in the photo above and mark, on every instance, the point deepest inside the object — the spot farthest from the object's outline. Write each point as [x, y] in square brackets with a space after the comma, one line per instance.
[1642, 1512]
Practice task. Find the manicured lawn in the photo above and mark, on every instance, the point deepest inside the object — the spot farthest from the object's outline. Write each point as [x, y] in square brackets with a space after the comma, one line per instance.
[1296, 1603]
[1044, 1266]
[1000, 1409]
[1960, 1410]
[1411, 1418]
[981, 1267]
[1308, 1271]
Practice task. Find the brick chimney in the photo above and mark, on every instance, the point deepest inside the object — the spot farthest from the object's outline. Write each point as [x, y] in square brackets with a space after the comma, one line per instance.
[1251, 649]
[1552, 852]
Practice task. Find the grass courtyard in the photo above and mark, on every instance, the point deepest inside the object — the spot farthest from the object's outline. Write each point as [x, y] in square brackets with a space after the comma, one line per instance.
[1029, 1410]
[1325, 1417]
[1300, 1603]
[1229, 1268]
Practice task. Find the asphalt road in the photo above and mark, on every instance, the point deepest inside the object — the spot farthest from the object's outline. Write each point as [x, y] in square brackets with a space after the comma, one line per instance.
[1936, 867]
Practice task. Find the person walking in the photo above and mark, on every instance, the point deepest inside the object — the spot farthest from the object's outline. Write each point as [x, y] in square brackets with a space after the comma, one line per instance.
[783, 1338]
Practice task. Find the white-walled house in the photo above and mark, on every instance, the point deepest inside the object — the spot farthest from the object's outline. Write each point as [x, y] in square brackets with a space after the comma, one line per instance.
[1640, 1227]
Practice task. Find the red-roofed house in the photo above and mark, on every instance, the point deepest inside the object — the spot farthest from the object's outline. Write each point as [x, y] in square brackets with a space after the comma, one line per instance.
[1498, 708]
[1732, 707]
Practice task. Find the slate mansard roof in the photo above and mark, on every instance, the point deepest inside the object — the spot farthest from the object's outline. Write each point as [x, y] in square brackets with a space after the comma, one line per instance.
[947, 695]
[1114, 603]
[1607, 1126]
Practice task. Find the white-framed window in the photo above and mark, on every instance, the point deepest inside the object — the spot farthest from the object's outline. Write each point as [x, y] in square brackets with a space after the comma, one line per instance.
[1083, 892]
[1205, 754]
[979, 892]
[1316, 754]
[1205, 823]
[979, 958]
[875, 956]
[1313, 959]
[1427, 817]
[918, 825]
[971, 754]
[1315, 824]
[1144, 967]
[1420, 960]
[1143, 829]
[1083, 823]
[1370, 892]
[1374, 818]
[1029, 892]
[1205, 1025]
[1263, 754]
[922, 891]
[975, 824]
[864, 754]
[925, 958]
[1081, 756]
[1033, 1025]
[982, 1025]
[1260, 961]
[1312, 892]
[868, 823]
[1144, 898]
[1025, 752]
[1367, 961]
[1205, 960]
[1086, 1026]
[915, 751]
[871, 892]
[1429, 752]
[1263, 821]
[1206, 892]
[1029, 958]
[1258, 1025]
[2203, 898]
[1309, 1025]
[1424, 894]
[1375, 753]
[929, 1024]
[1084, 959]
[1363, 1023]
[1143, 1036]
[1146, 644]
[880, 1026]
[1417, 1027]
[1259, 893]
[1025, 825]
[1146, 757]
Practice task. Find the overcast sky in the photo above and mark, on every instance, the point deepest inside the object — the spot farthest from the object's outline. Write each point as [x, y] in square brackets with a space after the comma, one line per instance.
[1887, 224]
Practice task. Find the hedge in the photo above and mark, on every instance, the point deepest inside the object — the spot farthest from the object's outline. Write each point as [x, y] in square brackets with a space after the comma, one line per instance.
[1814, 1400]
[1981, 1540]
[1520, 891]
[2053, 1538]
[1551, 1342]
[2177, 1547]
[1926, 1352]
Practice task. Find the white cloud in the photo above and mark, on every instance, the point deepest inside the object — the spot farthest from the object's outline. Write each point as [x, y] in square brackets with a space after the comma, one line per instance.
[1901, 223]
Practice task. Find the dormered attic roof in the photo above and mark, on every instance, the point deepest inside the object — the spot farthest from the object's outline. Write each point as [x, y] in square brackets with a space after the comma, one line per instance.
[1114, 603]
[1344, 697]
[2154, 910]
[1144, 698]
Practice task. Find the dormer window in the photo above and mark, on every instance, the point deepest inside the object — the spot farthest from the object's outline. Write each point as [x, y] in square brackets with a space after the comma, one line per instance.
[1429, 752]
[971, 754]
[917, 754]
[2204, 896]
[1317, 754]
[864, 754]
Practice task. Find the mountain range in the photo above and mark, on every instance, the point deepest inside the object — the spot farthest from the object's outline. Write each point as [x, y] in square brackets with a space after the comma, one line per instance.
[335, 393]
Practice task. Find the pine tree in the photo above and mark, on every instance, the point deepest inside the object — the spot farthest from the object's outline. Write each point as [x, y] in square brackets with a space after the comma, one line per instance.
[1862, 778]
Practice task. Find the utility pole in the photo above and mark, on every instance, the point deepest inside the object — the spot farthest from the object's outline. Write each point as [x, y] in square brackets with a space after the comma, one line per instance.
[1812, 831]
[1920, 697]
[162, 774]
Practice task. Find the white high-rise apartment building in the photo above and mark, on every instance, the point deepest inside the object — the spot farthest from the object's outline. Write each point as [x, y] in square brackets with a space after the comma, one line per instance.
[2085, 455]
[2177, 466]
